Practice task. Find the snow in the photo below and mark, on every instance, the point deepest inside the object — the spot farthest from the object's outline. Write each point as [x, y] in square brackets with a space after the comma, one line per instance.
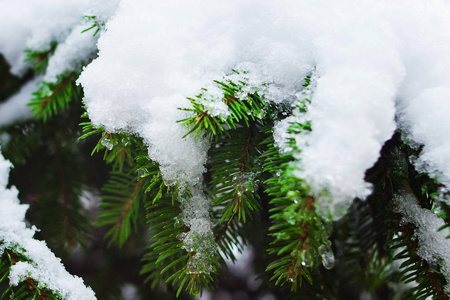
[15, 108]
[44, 266]
[39, 24]
[103, 10]
[433, 245]
[380, 65]
[69, 55]
[35, 24]
[172, 50]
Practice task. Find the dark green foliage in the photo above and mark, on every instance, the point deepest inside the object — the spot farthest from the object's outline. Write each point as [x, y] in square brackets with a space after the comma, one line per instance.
[123, 195]
[55, 192]
[172, 265]
[368, 229]
[137, 183]
[120, 207]
[234, 172]
[379, 246]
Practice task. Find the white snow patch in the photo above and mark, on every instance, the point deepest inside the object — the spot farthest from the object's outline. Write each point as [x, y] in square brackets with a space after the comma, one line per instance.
[35, 24]
[70, 54]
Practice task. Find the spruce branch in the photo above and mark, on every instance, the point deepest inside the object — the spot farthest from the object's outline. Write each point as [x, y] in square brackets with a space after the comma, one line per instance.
[364, 235]
[133, 175]
[421, 263]
[233, 158]
[52, 98]
[234, 171]
[167, 260]
[242, 109]
[120, 149]
[301, 235]
[28, 289]
[121, 200]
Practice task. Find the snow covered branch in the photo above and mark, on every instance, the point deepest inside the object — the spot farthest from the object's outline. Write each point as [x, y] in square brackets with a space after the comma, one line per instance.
[41, 264]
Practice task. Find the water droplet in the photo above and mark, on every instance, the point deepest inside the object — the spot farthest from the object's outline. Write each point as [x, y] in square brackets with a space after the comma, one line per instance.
[107, 143]
[306, 261]
[327, 257]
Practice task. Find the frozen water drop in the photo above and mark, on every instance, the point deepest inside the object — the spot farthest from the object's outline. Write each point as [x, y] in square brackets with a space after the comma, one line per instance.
[306, 261]
[327, 257]
[107, 143]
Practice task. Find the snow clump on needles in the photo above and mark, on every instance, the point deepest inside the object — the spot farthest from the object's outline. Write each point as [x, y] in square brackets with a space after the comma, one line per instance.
[374, 60]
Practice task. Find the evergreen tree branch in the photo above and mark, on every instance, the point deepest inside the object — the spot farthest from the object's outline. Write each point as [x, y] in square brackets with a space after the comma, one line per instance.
[167, 259]
[300, 233]
[234, 171]
[28, 289]
[121, 200]
[54, 97]
[233, 159]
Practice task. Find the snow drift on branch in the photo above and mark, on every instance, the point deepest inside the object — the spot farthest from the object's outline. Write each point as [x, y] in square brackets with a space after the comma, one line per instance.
[35, 24]
[369, 55]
